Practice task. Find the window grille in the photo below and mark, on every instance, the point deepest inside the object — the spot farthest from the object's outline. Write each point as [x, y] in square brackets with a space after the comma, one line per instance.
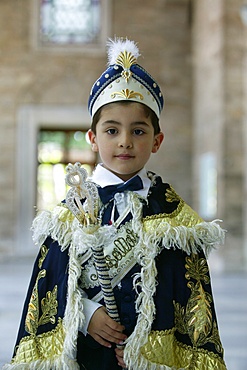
[72, 22]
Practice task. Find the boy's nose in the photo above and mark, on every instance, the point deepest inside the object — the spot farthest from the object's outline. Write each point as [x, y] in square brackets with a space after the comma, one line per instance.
[125, 142]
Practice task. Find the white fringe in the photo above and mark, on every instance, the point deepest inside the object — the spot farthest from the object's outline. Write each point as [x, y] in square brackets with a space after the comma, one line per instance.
[41, 227]
[145, 254]
[205, 236]
[48, 223]
[73, 317]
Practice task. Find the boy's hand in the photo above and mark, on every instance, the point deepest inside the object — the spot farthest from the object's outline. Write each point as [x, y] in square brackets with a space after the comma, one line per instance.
[119, 355]
[105, 330]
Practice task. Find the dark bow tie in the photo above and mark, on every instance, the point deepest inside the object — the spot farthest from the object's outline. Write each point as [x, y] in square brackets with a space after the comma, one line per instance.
[107, 193]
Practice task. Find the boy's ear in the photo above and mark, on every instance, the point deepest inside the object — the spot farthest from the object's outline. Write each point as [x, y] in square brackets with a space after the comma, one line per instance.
[157, 141]
[93, 141]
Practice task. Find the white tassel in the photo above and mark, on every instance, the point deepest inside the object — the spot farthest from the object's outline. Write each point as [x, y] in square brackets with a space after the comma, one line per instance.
[74, 316]
[41, 227]
[119, 45]
[48, 223]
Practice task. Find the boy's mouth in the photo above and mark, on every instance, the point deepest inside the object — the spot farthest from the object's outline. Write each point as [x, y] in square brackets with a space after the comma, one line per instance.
[124, 156]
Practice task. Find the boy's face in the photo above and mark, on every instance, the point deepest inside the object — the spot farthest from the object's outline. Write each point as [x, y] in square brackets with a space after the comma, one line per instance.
[125, 139]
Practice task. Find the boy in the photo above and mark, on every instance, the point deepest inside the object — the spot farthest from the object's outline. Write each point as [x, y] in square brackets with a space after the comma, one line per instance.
[154, 247]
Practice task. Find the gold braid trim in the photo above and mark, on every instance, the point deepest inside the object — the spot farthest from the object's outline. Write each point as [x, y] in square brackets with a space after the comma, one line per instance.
[164, 349]
[183, 215]
[42, 347]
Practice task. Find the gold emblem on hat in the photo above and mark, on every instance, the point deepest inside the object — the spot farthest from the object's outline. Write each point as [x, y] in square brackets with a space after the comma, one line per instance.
[127, 94]
[126, 60]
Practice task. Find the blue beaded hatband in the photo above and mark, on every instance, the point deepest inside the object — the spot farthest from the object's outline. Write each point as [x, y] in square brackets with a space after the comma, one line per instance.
[124, 79]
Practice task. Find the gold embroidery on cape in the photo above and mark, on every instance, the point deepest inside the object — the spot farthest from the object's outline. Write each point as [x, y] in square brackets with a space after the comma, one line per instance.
[196, 318]
[31, 323]
[127, 94]
[44, 346]
[43, 252]
[172, 196]
[163, 348]
[48, 307]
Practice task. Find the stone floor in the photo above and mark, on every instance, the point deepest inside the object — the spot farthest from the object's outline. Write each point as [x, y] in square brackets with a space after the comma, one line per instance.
[230, 293]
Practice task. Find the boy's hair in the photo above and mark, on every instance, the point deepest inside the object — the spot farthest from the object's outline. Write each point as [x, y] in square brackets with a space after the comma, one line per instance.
[148, 112]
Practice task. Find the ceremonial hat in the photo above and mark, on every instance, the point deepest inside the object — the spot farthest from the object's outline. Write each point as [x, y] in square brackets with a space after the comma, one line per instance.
[124, 79]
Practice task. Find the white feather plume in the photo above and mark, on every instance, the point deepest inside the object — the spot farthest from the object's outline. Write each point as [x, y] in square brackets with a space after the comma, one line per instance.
[117, 46]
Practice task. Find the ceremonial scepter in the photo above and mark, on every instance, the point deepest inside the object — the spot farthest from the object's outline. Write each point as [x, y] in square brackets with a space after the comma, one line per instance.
[81, 189]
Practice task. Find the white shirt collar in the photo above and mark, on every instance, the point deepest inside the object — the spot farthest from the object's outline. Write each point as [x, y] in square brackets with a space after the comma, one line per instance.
[103, 177]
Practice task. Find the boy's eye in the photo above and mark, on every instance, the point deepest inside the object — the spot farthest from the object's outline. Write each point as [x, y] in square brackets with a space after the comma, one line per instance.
[138, 131]
[111, 131]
